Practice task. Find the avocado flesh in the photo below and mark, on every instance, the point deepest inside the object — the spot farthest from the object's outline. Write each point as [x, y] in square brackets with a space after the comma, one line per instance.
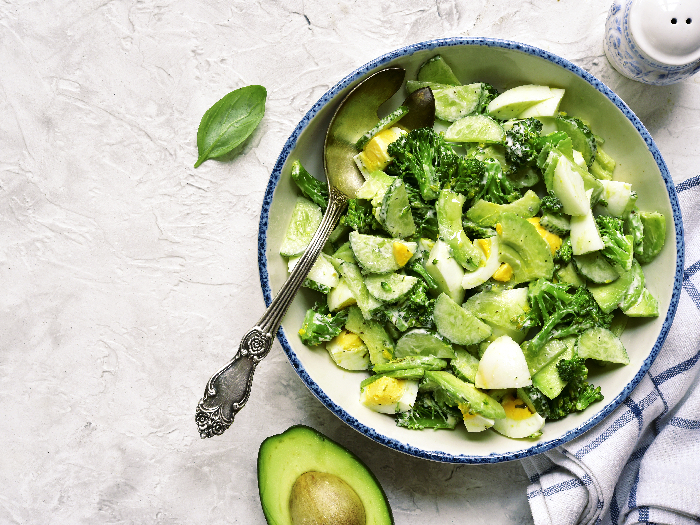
[524, 249]
[283, 458]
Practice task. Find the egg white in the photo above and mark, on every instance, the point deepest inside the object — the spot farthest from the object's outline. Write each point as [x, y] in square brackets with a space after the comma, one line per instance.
[503, 365]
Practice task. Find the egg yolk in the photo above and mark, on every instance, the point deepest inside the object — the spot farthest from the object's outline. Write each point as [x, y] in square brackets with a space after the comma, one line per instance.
[485, 245]
[464, 409]
[348, 340]
[515, 408]
[401, 253]
[374, 156]
[384, 391]
[553, 240]
[504, 273]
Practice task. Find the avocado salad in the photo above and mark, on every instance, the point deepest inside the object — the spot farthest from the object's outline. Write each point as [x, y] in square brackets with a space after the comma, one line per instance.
[486, 264]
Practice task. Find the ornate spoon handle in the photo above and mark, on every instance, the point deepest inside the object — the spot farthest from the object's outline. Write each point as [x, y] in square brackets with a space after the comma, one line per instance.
[228, 389]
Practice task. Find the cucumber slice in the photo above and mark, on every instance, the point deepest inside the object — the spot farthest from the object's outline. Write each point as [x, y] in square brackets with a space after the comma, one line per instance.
[464, 365]
[500, 309]
[353, 278]
[454, 103]
[376, 254]
[385, 123]
[475, 128]
[601, 344]
[628, 288]
[343, 253]
[306, 217]
[395, 212]
[568, 274]
[537, 360]
[596, 268]
[513, 102]
[420, 341]
[436, 69]
[322, 272]
[456, 324]
[557, 224]
[547, 380]
[390, 288]
[373, 334]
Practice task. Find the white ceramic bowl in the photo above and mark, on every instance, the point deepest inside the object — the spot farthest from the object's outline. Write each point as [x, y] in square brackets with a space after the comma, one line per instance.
[504, 64]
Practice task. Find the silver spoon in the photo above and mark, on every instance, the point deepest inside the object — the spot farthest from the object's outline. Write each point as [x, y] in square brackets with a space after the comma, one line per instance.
[228, 389]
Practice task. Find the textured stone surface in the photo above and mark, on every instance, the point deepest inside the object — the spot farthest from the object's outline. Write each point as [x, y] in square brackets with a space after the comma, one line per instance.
[128, 276]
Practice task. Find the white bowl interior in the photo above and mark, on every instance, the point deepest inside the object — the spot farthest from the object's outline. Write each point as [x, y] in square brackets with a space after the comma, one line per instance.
[504, 68]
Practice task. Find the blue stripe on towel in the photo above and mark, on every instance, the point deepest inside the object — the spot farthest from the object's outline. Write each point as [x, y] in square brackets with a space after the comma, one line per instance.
[688, 184]
[686, 424]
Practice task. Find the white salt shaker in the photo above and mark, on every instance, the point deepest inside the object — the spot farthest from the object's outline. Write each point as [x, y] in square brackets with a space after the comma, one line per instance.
[654, 41]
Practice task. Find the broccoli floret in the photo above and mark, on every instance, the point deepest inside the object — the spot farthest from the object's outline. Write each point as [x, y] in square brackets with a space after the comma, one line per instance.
[468, 177]
[577, 395]
[359, 216]
[415, 310]
[474, 231]
[619, 248]
[497, 187]
[565, 252]
[424, 215]
[312, 188]
[488, 93]
[423, 156]
[428, 413]
[550, 203]
[553, 217]
[321, 325]
[521, 142]
[560, 313]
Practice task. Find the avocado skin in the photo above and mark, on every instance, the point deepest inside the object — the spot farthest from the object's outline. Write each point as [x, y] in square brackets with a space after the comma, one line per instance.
[282, 458]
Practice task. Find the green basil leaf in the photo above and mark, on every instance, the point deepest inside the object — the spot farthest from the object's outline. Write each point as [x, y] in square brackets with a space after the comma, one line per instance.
[230, 121]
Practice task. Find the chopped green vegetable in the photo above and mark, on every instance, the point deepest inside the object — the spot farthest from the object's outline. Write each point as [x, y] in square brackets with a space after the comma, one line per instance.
[321, 325]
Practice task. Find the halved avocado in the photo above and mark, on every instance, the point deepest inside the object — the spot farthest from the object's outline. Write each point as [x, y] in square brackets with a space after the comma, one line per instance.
[285, 457]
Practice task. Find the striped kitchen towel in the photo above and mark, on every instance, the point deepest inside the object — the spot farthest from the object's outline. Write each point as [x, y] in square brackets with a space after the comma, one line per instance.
[642, 463]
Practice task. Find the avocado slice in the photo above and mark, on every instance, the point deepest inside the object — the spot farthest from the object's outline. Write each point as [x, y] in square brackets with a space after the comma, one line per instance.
[524, 249]
[284, 457]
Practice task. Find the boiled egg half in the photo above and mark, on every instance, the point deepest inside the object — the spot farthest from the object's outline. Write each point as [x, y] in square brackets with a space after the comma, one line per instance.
[389, 395]
[503, 365]
[519, 422]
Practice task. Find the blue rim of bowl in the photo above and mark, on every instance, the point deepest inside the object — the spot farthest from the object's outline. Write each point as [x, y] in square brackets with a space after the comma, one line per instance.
[434, 454]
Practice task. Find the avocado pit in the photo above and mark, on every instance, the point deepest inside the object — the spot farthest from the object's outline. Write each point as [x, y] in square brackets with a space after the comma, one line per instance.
[319, 498]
